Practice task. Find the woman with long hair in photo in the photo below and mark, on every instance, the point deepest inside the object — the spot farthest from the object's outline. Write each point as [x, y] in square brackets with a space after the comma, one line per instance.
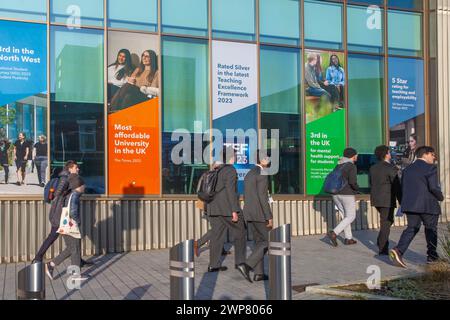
[142, 85]
[119, 71]
[336, 78]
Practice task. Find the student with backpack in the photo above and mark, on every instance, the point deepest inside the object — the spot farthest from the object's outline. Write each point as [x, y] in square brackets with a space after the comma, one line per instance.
[225, 214]
[57, 202]
[73, 244]
[344, 198]
[205, 191]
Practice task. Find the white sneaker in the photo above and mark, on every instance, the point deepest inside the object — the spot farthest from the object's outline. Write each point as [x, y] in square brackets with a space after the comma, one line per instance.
[78, 277]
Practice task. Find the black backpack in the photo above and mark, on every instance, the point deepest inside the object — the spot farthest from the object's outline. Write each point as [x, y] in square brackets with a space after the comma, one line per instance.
[206, 189]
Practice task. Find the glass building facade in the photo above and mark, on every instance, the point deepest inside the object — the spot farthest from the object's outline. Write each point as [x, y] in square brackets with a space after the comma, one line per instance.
[325, 74]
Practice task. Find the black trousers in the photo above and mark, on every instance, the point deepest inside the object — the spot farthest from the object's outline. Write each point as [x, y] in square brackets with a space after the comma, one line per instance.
[430, 222]
[386, 221]
[261, 238]
[6, 170]
[52, 236]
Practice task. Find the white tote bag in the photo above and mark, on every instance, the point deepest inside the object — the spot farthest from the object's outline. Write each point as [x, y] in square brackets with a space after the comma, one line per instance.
[67, 225]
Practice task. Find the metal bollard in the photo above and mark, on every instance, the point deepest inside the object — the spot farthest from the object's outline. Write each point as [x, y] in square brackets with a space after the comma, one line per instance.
[280, 286]
[31, 282]
[181, 267]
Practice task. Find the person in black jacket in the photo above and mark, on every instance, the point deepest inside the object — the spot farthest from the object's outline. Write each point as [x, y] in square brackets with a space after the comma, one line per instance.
[385, 190]
[344, 200]
[257, 212]
[421, 193]
[62, 189]
[225, 214]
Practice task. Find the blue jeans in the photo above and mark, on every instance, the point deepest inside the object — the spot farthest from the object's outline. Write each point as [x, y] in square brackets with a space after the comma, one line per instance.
[315, 92]
[430, 221]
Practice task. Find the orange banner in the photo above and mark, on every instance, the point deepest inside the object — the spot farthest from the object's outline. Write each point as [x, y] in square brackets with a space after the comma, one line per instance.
[133, 148]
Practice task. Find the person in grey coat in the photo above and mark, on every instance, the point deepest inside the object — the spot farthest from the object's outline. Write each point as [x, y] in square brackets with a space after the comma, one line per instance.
[385, 189]
[225, 214]
[257, 212]
[344, 200]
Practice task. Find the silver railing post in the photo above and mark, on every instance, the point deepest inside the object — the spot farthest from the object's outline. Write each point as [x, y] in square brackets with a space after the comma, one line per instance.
[280, 285]
[31, 282]
[181, 266]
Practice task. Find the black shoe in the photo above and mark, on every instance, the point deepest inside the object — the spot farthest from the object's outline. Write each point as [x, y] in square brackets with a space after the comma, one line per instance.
[221, 268]
[42, 185]
[260, 277]
[85, 263]
[49, 270]
[431, 260]
[225, 252]
[383, 253]
[333, 238]
[245, 270]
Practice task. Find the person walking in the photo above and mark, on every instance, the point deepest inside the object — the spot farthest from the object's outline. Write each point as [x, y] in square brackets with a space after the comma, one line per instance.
[385, 190]
[62, 189]
[257, 213]
[344, 200]
[421, 193]
[21, 153]
[73, 245]
[225, 214]
[40, 159]
[4, 157]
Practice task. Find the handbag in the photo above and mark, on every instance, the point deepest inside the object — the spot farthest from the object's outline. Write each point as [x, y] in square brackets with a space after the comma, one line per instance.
[67, 225]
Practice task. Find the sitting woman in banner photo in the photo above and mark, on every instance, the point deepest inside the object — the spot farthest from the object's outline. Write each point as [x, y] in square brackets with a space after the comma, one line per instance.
[336, 79]
[143, 84]
[118, 72]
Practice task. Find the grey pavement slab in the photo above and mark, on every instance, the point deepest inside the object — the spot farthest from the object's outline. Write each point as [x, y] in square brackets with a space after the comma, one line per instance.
[145, 274]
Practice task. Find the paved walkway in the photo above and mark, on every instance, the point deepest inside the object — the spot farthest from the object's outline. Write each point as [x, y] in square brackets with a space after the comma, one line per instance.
[144, 275]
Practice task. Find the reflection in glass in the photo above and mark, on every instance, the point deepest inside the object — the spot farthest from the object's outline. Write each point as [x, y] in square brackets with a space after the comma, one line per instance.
[141, 15]
[401, 42]
[233, 19]
[77, 111]
[280, 109]
[185, 106]
[279, 21]
[24, 9]
[365, 29]
[185, 17]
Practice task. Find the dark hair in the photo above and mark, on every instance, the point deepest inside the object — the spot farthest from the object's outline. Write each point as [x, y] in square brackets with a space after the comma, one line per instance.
[421, 151]
[381, 152]
[69, 164]
[128, 67]
[23, 133]
[414, 136]
[350, 152]
[331, 62]
[153, 65]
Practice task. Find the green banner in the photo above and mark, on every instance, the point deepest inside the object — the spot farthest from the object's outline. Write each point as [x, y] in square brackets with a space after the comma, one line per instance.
[325, 142]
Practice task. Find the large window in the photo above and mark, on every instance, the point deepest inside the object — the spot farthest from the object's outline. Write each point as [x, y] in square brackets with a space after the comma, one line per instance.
[233, 19]
[401, 42]
[406, 4]
[24, 9]
[185, 17]
[366, 104]
[185, 107]
[280, 110]
[280, 21]
[365, 29]
[323, 24]
[133, 15]
[77, 110]
[77, 12]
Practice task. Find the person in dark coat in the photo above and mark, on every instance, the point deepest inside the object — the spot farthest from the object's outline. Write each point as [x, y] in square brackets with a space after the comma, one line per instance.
[62, 189]
[257, 213]
[421, 193]
[225, 214]
[384, 193]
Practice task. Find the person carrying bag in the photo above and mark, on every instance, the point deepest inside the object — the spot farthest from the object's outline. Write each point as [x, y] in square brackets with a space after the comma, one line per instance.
[69, 228]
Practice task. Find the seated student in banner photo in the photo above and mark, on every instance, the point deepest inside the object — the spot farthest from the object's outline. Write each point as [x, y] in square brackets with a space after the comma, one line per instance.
[143, 84]
[313, 87]
[119, 71]
[336, 78]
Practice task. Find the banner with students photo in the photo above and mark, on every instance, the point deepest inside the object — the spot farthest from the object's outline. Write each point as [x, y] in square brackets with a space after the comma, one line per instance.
[235, 99]
[133, 114]
[325, 82]
[23, 108]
